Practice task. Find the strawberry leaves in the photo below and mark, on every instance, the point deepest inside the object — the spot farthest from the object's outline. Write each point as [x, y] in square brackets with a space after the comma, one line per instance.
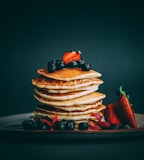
[121, 92]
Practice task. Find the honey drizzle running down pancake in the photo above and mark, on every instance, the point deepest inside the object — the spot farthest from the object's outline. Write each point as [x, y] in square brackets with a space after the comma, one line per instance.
[68, 74]
[42, 82]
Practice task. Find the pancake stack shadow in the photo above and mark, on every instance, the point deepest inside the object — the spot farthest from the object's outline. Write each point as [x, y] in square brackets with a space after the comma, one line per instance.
[69, 93]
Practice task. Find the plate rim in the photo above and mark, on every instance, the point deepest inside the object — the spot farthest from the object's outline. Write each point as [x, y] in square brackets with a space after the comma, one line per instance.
[15, 131]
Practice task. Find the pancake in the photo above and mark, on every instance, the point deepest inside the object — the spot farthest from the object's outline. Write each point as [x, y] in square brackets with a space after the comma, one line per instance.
[75, 117]
[64, 96]
[42, 82]
[69, 93]
[60, 91]
[68, 74]
[75, 107]
[87, 99]
[51, 110]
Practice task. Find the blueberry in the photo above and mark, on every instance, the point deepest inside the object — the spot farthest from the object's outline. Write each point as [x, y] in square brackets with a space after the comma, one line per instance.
[55, 65]
[51, 66]
[73, 64]
[54, 61]
[80, 62]
[60, 125]
[83, 126]
[125, 127]
[42, 125]
[29, 124]
[57, 61]
[86, 67]
[115, 126]
[51, 62]
[60, 64]
[70, 125]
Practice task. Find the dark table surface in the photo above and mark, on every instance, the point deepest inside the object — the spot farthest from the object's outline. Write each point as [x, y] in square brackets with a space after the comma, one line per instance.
[105, 149]
[32, 145]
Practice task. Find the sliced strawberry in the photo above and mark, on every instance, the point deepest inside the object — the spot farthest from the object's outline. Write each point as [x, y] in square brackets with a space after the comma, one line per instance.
[125, 112]
[104, 124]
[93, 126]
[71, 56]
[111, 115]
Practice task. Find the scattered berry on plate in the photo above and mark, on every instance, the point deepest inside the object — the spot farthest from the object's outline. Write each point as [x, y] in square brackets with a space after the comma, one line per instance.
[70, 125]
[111, 115]
[115, 126]
[121, 113]
[60, 125]
[104, 124]
[125, 110]
[42, 125]
[29, 124]
[83, 126]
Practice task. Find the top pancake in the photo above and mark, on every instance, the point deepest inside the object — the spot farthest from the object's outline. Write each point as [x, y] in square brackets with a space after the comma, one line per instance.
[68, 74]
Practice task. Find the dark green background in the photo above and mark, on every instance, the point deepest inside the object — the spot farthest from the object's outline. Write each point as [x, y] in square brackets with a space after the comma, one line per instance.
[109, 34]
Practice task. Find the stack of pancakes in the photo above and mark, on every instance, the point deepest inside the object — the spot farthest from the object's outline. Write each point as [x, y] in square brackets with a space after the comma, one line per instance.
[69, 93]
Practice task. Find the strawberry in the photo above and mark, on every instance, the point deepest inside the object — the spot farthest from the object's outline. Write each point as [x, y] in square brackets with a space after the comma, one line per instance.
[125, 110]
[100, 123]
[111, 115]
[71, 56]
[104, 124]
[93, 125]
